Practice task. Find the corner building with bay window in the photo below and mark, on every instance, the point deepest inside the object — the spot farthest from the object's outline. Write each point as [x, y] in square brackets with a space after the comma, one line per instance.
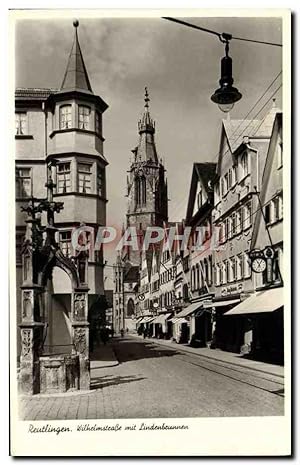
[65, 126]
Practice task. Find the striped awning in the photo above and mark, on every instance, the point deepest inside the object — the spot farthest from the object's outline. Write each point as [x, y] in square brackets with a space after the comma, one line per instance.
[261, 302]
[160, 319]
[178, 320]
[147, 319]
[189, 310]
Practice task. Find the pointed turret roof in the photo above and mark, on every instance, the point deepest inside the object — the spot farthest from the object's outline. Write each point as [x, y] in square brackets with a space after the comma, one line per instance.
[76, 76]
[146, 150]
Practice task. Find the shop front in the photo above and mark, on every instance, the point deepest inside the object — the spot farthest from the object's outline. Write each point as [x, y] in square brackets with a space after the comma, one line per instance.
[226, 334]
[160, 326]
[262, 316]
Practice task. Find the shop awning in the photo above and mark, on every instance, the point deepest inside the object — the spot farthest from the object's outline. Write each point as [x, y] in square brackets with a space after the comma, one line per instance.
[160, 319]
[178, 320]
[222, 303]
[261, 302]
[189, 310]
[147, 319]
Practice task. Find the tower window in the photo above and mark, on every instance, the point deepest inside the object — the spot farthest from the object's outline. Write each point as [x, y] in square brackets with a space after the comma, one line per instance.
[65, 117]
[140, 191]
[65, 243]
[100, 181]
[23, 183]
[21, 123]
[84, 177]
[84, 117]
[63, 178]
[143, 187]
[98, 125]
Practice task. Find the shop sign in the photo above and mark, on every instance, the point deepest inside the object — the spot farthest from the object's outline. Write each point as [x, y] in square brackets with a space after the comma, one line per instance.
[234, 289]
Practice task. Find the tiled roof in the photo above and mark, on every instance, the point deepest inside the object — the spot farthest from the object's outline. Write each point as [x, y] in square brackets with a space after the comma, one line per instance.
[36, 93]
[236, 130]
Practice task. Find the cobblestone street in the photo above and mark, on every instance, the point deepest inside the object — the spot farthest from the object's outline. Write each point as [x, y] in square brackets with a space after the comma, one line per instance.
[157, 380]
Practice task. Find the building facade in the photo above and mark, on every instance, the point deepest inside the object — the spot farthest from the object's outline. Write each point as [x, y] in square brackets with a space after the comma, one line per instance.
[263, 309]
[243, 151]
[62, 127]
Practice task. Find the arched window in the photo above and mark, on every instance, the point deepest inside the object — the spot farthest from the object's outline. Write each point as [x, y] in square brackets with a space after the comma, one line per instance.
[137, 191]
[143, 190]
[130, 308]
[65, 117]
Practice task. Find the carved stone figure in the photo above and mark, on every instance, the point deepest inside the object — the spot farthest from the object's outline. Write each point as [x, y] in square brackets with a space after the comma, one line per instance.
[80, 340]
[79, 306]
[27, 304]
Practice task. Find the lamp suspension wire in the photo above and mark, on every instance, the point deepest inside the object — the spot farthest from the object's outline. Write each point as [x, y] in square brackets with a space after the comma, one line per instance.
[223, 37]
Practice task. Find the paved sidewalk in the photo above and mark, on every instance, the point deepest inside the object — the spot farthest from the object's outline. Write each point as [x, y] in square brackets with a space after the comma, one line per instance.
[220, 355]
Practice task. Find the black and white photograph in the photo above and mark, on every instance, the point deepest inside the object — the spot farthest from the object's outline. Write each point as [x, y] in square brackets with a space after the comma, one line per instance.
[150, 279]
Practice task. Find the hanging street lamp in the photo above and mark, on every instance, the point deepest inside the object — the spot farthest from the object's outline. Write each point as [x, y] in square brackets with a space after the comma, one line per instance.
[226, 96]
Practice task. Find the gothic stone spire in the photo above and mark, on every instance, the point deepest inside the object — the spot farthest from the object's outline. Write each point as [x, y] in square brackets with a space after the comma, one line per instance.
[146, 149]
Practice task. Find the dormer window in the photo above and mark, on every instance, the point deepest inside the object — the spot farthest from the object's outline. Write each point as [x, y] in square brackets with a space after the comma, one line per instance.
[65, 117]
[84, 117]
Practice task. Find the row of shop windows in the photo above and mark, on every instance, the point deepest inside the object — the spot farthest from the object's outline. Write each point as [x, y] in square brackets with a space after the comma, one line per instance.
[85, 173]
[238, 268]
[233, 269]
[166, 299]
[237, 222]
[65, 119]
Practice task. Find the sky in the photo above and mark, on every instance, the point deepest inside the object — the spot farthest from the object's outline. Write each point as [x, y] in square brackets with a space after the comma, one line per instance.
[181, 68]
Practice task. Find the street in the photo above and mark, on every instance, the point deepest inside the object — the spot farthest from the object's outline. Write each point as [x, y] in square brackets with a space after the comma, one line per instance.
[154, 380]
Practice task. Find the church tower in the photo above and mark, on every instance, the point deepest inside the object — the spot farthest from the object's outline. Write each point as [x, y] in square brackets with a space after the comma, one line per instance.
[147, 189]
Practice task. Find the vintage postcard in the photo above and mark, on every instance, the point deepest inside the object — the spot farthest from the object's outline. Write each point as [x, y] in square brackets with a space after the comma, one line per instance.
[150, 255]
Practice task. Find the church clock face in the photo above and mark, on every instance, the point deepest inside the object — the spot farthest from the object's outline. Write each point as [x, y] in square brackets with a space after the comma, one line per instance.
[259, 265]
